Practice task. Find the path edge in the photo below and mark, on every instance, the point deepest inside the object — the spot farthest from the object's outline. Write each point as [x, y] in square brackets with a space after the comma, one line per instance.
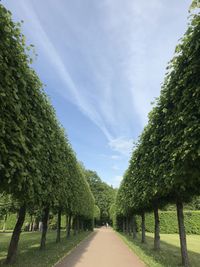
[71, 250]
[131, 249]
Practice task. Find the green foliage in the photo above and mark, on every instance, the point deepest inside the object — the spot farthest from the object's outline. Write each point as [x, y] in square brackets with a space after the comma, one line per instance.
[103, 193]
[38, 167]
[10, 223]
[168, 222]
[195, 4]
[96, 212]
[164, 166]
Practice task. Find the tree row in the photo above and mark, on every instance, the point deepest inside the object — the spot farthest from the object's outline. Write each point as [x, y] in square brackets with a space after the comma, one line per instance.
[164, 167]
[38, 168]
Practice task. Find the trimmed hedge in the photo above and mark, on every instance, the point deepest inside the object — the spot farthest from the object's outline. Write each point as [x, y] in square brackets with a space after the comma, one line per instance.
[12, 218]
[53, 222]
[10, 223]
[169, 222]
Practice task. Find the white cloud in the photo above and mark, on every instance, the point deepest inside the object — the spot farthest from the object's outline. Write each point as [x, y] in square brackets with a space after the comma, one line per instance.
[106, 57]
[122, 145]
[106, 107]
[115, 157]
[72, 92]
[134, 22]
[115, 167]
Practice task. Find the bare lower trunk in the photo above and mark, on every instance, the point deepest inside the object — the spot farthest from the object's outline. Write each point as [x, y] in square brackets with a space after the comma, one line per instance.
[134, 227]
[12, 250]
[66, 222]
[4, 223]
[82, 226]
[75, 225]
[44, 228]
[143, 228]
[157, 229]
[31, 224]
[58, 226]
[124, 225]
[78, 225]
[34, 225]
[182, 234]
[129, 225]
[69, 226]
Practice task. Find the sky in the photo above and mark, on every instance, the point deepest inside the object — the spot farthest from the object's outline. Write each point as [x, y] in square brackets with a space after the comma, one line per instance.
[102, 64]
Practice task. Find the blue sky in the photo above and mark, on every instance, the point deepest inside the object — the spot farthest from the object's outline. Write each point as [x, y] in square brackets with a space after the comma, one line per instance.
[103, 63]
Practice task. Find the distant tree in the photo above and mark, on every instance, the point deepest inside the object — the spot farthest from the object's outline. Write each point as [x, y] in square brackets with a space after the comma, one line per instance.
[103, 193]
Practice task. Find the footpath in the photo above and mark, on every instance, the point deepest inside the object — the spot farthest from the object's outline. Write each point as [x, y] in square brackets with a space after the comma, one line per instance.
[103, 248]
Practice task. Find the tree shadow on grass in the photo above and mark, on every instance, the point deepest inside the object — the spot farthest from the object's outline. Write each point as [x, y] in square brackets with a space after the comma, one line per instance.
[29, 254]
[168, 256]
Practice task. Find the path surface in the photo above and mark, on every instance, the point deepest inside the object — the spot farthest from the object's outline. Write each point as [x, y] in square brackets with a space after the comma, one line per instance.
[102, 249]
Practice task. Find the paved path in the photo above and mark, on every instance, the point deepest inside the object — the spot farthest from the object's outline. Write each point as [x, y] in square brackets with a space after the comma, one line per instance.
[102, 249]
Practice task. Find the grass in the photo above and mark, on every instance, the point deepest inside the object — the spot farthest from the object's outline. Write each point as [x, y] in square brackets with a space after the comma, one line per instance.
[29, 254]
[169, 255]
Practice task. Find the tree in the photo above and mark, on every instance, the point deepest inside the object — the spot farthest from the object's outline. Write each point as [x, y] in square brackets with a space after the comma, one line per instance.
[164, 167]
[38, 167]
[103, 193]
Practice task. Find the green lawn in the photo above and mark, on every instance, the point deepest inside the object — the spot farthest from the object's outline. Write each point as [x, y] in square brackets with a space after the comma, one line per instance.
[29, 254]
[169, 256]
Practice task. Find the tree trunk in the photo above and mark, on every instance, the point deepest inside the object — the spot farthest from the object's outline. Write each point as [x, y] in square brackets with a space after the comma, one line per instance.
[31, 224]
[134, 227]
[157, 229]
[12, 250]
[124, 225]
[82, 226]
[143, 228]
[4, 223]
[58, 226]
[69, 226]
[34, 224]
[78, 225]
[129, 225]
[75, 225]
[182, 234]
[66, 223]
[44, 227]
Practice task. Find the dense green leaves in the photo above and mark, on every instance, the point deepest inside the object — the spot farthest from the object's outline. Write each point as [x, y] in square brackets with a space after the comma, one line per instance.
[164, 167]
[165, 164]
[103, 193]
[37, 164]
[38, 167]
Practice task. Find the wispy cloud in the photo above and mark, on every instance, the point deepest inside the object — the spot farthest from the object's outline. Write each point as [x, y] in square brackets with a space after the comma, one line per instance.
[75, 96]
[106, 107]
[108, 58]
[105, 55]
[115, 168]
[122, 145]
[115, 157]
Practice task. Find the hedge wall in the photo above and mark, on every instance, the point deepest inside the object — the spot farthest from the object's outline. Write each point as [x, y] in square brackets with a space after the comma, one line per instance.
[169, 223]
[11, 221]
[12, 218]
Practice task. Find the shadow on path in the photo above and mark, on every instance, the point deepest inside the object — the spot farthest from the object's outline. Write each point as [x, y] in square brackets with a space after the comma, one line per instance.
[103, 248]
[75, 256]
